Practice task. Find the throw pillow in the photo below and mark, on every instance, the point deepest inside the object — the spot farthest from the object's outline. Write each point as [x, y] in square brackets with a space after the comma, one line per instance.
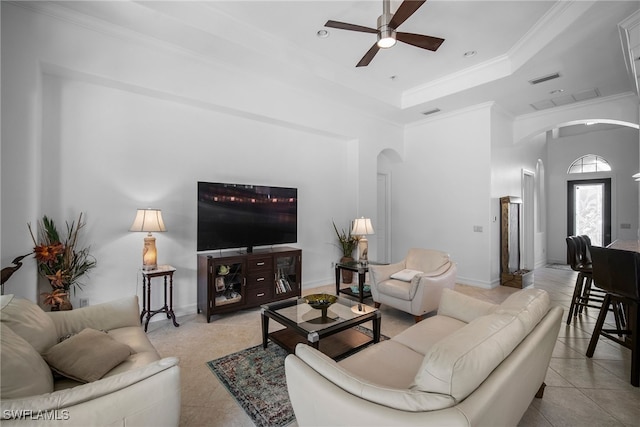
[30, 322]
[87, 356]
[405, 275]
[23, 371]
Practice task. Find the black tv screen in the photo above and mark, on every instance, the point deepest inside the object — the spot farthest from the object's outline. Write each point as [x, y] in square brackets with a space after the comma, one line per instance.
[243, 216]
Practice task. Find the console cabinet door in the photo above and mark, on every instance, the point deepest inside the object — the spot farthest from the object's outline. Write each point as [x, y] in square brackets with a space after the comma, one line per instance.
[288, 275]
[228, 283]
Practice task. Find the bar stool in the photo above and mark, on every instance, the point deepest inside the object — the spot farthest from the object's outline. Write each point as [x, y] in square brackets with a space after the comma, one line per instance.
[590, 293]
[618, 273]
[576, 258]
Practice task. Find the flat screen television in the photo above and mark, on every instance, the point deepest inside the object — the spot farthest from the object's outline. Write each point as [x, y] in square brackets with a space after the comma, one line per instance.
[243, 216]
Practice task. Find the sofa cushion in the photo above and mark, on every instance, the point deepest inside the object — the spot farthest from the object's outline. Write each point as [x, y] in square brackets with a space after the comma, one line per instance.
[87, 356]
[23, 371]
[398, 398]
[459, 363]
[395, 364]
[30, 322]
[143, 351]
[423, 335]
[463, 307]
[397, 289]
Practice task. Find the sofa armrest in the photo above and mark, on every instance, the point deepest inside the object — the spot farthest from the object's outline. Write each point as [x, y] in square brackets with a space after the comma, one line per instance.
[106, 316]
[402, 399]
[107, 388]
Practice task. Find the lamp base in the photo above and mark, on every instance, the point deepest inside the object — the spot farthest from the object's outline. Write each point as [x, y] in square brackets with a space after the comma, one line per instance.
[149, 254]
[363, 251]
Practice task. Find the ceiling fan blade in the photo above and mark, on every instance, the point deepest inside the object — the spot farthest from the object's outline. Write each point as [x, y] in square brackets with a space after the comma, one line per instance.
[366, 59]
[406, 9]
[350, 27]
[418, 40]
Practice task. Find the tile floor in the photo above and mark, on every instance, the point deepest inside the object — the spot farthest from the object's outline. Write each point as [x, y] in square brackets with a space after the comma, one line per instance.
[580, 391]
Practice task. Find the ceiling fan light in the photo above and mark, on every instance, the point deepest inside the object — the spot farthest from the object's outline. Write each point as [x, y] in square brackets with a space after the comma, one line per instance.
[386, 42]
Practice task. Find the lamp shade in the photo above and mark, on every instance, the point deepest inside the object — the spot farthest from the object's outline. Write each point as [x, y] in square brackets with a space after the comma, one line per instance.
[148, 220]
[362, 226]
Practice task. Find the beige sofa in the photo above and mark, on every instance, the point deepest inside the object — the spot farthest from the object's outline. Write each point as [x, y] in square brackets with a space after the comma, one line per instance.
[119, 378]
[472, 364]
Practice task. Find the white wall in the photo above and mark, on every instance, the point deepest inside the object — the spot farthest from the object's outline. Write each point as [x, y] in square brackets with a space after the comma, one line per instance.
[620, 148]
[442, 190]
[508, 159]
[104, 123]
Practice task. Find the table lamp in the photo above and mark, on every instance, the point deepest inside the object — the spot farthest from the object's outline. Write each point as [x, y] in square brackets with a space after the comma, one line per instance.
[149, 220]
[361, 227]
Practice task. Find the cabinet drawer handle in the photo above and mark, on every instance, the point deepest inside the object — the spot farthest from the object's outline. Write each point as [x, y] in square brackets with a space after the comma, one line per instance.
[260, 263]
[259, 279]
[260, 295]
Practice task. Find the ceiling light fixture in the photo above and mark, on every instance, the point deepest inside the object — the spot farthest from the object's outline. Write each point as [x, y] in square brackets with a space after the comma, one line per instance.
[323, 34]
[556, 91]
[386, 34]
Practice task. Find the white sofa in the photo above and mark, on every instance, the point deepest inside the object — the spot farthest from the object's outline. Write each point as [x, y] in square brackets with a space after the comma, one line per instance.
[472, 364]
[414, 284]
[140, 389]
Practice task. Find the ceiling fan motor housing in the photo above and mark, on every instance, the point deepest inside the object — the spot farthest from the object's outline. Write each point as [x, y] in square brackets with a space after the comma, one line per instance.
[386, 34]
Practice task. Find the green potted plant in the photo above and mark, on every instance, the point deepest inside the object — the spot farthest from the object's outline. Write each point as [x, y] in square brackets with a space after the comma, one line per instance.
[347, 243]
[60, 261]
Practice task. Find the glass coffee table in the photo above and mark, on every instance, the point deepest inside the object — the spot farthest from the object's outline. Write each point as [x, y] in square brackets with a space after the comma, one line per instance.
[334, 334]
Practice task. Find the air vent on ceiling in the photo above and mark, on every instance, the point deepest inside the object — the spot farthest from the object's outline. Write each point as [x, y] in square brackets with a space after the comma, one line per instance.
[435, 110]
[544, 78]
[566, 99]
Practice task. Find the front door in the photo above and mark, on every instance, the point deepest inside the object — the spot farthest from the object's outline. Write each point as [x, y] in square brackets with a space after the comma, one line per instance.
[589, 210]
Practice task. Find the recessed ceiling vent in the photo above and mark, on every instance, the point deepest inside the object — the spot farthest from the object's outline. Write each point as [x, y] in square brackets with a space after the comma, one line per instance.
[544, 78]
[435, 110]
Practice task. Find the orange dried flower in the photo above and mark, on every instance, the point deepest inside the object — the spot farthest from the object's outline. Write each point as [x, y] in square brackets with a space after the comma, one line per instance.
[48, 253]
[55, 297]
[56, 280]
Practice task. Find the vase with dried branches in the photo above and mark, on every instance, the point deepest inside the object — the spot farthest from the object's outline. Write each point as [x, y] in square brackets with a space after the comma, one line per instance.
[60, 260]
[347, 243]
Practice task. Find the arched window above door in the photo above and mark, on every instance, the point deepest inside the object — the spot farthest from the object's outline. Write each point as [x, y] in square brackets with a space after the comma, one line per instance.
[589, 163]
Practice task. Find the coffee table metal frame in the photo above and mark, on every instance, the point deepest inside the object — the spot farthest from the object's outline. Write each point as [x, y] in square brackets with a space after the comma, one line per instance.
[338, 336]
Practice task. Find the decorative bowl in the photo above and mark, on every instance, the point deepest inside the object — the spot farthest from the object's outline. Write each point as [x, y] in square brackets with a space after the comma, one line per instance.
[320, 301]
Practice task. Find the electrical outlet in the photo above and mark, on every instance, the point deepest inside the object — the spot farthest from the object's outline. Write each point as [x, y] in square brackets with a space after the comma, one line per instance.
[477, 229]
[84, 302]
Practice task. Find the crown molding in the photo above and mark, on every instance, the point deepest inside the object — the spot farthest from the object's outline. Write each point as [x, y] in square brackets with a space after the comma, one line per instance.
[557, 19]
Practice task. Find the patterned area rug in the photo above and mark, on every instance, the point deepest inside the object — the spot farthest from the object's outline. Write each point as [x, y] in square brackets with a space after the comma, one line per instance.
[255, 378]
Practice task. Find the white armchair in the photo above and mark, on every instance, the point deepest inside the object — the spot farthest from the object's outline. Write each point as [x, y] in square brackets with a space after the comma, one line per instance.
[413, 285]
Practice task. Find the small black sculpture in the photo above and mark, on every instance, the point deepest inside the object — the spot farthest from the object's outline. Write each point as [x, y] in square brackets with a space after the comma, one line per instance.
[8, 271]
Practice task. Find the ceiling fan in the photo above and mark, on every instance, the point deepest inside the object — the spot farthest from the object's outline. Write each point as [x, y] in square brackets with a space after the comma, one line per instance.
[386, 30]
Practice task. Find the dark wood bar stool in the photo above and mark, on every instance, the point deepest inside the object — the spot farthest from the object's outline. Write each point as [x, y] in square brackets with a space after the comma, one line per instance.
[618, 273]
[579, 261]
[590, 293]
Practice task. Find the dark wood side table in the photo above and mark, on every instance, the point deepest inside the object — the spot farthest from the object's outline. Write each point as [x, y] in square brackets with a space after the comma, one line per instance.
[165, 271]
[359, 268]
